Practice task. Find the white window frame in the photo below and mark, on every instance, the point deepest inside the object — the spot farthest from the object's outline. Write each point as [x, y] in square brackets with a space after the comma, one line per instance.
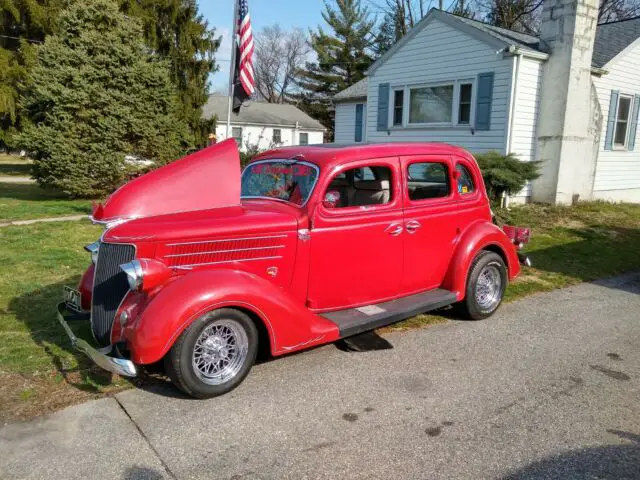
[393, 106]
[273, 135]
[625, 146]
[455, 104]
[299, 140]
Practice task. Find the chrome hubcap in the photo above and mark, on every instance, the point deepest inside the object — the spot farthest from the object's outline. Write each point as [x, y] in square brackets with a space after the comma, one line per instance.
[489, 287]
[220, 352]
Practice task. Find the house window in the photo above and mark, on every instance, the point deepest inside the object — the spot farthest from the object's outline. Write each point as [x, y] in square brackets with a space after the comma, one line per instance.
[431, 104]
[398, 107]
[442, 105]
[464, 104]
[277, 135]
[236, 133]
[621, 137]
[304, 139]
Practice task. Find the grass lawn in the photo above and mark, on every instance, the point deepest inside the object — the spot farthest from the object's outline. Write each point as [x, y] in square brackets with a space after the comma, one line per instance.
[14, 166]
[25, 201]
[39, 372]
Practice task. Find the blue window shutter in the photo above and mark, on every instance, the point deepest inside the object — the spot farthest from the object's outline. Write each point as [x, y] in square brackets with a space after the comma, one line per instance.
[634, 122]
[359, 109]
[383, 107]
[484, 98]
[611, 120]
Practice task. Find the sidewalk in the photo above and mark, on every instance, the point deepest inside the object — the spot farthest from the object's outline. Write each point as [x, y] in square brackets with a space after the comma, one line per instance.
[94, 440]
[46, 219]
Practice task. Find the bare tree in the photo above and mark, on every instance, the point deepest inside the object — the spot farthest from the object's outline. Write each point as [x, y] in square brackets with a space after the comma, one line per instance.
[279, 55]
[524, 15]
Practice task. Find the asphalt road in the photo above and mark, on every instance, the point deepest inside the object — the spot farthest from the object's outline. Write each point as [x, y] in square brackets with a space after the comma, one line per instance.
[547, 388]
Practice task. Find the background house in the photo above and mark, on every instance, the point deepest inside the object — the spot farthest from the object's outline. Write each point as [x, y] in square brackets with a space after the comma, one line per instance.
[569, 97]
[264, 124]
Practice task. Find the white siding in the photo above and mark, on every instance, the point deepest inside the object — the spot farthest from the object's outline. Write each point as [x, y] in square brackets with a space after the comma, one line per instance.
[525, 119]
[263, 135]
[345, 122]
[616, 169]
[442, 53]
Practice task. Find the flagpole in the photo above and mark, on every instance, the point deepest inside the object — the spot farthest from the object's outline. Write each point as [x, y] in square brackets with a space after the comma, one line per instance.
[232, 67]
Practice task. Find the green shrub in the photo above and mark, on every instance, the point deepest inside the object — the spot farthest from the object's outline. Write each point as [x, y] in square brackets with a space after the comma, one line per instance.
[95, 95]
[505, 173]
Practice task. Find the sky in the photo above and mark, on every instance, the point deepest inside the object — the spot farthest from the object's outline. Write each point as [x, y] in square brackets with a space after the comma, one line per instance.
[304, 14]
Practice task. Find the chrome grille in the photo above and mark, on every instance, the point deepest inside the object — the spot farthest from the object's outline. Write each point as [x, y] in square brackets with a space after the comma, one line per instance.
[109, 288]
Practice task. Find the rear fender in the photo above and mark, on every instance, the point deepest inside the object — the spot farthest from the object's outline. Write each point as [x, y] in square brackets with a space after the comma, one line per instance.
[478, 236]
[289, 324]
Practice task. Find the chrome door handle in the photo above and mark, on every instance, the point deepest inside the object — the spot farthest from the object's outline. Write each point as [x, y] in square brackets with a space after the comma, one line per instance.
[394, 229]
[412, 226]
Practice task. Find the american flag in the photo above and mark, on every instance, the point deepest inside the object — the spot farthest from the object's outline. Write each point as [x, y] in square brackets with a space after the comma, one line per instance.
[243, 78]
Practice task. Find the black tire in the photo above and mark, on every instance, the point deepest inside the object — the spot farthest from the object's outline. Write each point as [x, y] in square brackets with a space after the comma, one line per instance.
[470, 308]
[179, 360]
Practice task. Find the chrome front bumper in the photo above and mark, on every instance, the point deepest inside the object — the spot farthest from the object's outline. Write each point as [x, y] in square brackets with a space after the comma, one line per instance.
[101, 356]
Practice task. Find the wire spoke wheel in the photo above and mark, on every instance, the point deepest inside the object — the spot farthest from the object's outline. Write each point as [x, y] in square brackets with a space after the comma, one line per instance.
[220, 351]
[488, 290]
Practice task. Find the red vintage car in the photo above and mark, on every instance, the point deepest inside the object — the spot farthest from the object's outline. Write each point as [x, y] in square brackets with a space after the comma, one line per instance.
[200, 265]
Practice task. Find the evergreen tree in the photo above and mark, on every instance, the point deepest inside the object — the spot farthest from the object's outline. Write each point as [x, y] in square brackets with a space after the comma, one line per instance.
[23, 24]
[95, 95]
[177, 32]
[343, 57]
[173, 29]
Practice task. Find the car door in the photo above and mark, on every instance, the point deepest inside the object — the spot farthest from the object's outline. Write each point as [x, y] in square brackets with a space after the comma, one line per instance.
[430, 210]
[356, 245]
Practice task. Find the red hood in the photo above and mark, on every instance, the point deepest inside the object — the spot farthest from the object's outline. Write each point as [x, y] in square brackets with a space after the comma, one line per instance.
[209, 178]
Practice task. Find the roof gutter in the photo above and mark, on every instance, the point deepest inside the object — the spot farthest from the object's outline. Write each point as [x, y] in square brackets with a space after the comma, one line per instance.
[516, 50]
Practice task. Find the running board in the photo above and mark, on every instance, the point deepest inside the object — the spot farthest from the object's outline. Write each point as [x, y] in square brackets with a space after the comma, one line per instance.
[357, 320]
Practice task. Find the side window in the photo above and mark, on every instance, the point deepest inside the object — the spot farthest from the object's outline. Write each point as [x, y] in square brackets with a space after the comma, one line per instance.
[428, 180]
[465, 180]
[361, 186]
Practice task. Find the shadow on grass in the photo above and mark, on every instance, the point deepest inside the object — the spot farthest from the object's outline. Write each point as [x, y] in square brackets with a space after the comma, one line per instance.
[37, 311]
[15, 169]
[606, 462]
[594, 252]
[29, 191]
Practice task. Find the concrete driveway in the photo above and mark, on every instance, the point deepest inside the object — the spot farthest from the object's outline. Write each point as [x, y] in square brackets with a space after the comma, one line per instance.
[547, 388]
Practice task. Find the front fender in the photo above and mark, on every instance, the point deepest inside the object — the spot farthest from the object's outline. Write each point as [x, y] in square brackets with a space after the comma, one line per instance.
[288, 322]
[478, 236]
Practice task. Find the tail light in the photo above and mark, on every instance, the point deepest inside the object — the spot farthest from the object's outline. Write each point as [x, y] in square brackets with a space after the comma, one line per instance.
[518, 235]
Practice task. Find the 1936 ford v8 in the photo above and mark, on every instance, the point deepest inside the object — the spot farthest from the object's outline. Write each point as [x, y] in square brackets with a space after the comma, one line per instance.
[199, 264]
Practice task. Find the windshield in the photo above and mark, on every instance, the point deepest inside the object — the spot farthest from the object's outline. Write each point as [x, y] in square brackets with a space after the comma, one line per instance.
[287, 180]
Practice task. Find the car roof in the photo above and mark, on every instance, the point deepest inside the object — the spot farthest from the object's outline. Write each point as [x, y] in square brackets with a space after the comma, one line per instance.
[326, 155]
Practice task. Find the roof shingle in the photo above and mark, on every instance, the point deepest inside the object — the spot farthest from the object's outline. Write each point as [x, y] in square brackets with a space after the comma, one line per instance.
[260, 113]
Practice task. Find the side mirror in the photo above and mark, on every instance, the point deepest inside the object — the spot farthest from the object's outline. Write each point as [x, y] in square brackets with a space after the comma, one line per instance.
[331, 199]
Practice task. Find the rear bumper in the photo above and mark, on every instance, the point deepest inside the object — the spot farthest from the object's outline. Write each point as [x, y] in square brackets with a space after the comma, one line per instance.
[101, 357]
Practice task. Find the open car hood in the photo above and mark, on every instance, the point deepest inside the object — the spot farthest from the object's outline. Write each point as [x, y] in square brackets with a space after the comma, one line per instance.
[206, 179]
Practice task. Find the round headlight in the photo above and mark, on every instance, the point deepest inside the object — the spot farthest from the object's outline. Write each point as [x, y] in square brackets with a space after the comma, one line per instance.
[134, 273]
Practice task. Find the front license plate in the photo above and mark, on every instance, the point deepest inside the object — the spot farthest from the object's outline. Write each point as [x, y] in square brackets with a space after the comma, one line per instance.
[72, 299]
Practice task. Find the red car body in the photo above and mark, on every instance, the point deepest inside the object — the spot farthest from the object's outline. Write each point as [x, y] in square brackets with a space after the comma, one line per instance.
[288, 265]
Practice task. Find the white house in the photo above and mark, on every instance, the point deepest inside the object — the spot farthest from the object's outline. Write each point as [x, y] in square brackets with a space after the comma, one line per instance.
[264, 124]
[569, 97]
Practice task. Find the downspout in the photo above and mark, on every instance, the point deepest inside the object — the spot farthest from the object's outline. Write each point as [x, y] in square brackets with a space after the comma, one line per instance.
[515, 71]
